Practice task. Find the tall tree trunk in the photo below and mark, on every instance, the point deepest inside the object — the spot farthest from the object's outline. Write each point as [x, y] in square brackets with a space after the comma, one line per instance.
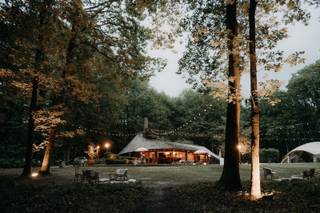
[255, 192]
[39, 57]
[230, 178]
[29, 143]
[45, 166]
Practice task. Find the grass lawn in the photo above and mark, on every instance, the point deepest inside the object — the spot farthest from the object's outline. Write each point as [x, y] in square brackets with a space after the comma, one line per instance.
[159, 189]
[173, 175]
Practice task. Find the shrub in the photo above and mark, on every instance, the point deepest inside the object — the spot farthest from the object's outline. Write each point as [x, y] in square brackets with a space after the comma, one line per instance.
[116, 161]
[15, 163]
[11, 163]
[269, 155]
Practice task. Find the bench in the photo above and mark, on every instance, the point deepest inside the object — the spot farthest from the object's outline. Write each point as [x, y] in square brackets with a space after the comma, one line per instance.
[119, 175]
[268, 172]
[308, 174]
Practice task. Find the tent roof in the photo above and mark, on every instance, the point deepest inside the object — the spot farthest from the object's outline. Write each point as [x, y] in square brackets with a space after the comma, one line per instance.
[139, 141]
[312, 148]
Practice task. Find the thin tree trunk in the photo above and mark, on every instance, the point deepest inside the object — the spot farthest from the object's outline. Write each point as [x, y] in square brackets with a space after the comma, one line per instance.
[29, 143]
[67, 149]
[255, 192]
[230, 178]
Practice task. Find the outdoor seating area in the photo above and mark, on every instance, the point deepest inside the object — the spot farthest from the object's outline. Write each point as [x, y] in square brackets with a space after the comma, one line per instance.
[119, 175]
[304, 175]
[90, 176]
[85, 176]
[93, 177]
[308, 174]
[268, 172]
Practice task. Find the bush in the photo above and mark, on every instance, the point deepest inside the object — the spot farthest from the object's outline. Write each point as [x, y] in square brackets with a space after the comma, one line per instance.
[11, 163]
[116, 161]
[246, 158]
[269, 155]
[15, 163]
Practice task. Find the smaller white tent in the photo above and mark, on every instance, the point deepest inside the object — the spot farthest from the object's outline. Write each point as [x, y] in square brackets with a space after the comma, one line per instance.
[309, 152]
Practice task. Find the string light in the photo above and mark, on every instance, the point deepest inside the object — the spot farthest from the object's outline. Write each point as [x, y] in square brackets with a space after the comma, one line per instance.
[177, 130]
[173, 132]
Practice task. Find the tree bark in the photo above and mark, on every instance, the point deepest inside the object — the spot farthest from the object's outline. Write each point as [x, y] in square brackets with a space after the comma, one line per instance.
[45, 166]
[67, 149]
[230, 178]
[255, 191]
[39, 57]
[29, 143]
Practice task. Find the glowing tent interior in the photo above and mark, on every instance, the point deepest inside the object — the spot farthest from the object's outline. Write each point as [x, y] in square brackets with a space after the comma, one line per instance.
[161, 151]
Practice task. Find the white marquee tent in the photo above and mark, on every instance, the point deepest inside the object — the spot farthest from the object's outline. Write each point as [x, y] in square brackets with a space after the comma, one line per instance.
[142, 144]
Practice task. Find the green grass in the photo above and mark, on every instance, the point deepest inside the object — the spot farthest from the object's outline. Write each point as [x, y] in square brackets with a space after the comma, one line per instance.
[174, 175]
[159, 189]
[44, 196]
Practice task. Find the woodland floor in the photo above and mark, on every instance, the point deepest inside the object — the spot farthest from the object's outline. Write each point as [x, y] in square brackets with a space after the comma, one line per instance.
[159, 189]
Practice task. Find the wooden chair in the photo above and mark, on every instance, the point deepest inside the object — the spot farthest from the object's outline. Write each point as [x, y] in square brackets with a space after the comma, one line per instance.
[77, 174]
[85, 177]
[94, 178]
[90, 176]
[119, 175]
[268, 172]
[308, 174]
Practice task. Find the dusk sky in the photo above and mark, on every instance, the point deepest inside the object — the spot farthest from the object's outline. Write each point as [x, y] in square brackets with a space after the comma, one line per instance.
[301, 38]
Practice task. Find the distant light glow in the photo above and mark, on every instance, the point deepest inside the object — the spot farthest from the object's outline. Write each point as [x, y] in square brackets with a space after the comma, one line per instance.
[239, 147]
[34, 174]
[107, 145]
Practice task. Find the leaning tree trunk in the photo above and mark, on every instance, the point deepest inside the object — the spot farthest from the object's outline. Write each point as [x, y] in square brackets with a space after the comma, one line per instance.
[45, 166]
[29, 143]
[230, 178]
[255, 192]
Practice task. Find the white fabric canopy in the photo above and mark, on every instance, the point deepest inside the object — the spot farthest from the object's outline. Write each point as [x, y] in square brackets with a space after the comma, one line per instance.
[140, 143]
[141, 149]
[200, 151]
[313, 148]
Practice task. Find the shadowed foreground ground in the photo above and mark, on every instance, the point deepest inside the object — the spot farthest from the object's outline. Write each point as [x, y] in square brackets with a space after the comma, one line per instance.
[160, 189]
